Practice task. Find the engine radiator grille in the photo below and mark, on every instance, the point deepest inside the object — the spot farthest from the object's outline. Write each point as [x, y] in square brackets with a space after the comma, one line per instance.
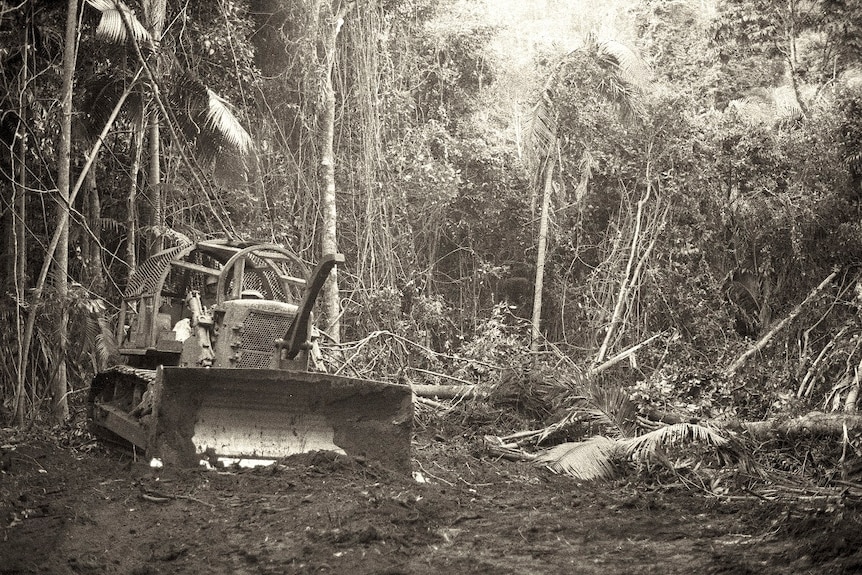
[259, 331]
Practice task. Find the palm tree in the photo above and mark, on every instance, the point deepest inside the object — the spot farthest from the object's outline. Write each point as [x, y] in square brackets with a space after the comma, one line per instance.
[620, 76]
[193, 113]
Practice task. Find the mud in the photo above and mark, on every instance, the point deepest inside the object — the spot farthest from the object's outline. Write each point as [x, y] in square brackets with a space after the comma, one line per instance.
[71, 506]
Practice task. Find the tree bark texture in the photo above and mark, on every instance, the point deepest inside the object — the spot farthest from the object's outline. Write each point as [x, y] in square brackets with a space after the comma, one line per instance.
[60, 384]
[548, 186]
[815, 424]
[329, 239]
[155, 15]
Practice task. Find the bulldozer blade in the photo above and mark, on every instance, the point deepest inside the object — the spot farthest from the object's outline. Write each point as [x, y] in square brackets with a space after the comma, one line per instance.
[269, 414]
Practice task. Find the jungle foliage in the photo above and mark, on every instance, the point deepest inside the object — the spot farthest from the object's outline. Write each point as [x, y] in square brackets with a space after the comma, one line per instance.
[708, 177]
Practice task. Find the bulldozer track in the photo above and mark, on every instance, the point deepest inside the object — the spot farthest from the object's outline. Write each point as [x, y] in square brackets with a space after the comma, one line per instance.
[120, 383]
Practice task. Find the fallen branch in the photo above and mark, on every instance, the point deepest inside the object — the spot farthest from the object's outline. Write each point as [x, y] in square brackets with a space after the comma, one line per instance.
[438, 374]
[445, 391]
[495, 446]
[761, 343]
[623, 355]
[429, 402]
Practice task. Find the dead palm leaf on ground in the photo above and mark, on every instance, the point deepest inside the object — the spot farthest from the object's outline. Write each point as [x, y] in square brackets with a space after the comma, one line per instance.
[601, 457]
[647, 445]
[595, 458]
[598, 407]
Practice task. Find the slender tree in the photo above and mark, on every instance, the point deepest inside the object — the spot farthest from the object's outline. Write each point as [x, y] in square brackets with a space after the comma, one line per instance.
[61, 270]
[332, 21]
[622, 74]
[154, 10]
[18, 259]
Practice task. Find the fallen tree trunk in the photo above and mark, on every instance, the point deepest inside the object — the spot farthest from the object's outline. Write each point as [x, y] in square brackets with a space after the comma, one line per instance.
[812, 424]
[444, 391]
[815, 423]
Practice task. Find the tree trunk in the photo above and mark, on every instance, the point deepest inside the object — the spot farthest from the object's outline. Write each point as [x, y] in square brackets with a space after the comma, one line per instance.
[328, 241]
[18, 257]
[155, 14]
[154, 188]
[811, 424]
[60, 385]
[446, 391]
[93, 250]
[132, 220]
[548, 181]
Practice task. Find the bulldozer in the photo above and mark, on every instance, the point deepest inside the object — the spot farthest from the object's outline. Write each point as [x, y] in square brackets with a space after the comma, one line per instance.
[220, 362]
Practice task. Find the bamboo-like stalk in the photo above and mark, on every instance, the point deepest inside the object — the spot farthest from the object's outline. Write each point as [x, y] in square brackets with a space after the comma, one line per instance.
[132, 199]
[19, 262]
[59, 386]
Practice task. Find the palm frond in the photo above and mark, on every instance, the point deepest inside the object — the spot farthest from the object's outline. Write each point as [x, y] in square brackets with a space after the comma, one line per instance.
[112, 25]
[222, 120]
[608, 406]
[587, 460]
[627, 64]
[206, 119]
[649, 444]
[112, 224]
[626, 74]
[543, 125]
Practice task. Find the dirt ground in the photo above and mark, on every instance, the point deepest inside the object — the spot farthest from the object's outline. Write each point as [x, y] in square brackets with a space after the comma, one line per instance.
[68, 505]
